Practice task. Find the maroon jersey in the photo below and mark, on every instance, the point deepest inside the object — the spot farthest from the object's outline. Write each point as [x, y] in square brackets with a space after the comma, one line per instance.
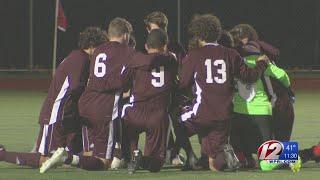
[211, 70]
[154, 78]
[153, 75]
[178, 50]
[98, 102]
[68, 82]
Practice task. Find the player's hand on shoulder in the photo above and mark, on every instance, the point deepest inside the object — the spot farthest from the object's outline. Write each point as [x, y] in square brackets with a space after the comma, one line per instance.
[263, 58]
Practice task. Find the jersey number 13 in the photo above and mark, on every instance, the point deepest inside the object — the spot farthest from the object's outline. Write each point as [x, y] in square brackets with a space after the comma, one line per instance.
[221, 70]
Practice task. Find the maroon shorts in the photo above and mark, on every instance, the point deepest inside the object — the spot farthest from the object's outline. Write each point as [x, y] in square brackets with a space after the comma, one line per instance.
[214, 134]
[98, 138]
[153, 120]
[53, 136]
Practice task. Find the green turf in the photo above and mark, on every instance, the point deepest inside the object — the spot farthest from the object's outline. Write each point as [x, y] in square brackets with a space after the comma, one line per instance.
[18, 129]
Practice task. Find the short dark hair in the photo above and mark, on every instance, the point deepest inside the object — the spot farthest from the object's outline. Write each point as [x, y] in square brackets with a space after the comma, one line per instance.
[226, 39]
[242, 31]
[206, 27]
[92, 37]
[157, 39]
[118, 27]
[158, 18]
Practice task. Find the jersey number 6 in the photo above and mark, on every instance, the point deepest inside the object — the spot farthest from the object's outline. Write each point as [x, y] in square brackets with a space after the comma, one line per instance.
[99, 66]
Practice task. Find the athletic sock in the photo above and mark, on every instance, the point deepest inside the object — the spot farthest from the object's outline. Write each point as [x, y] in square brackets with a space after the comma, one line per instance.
[117, 151]
[23, 159]
[72, 159]
[91, 163]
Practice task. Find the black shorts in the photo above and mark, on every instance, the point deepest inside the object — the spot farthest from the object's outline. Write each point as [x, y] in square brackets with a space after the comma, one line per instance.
[248, 132]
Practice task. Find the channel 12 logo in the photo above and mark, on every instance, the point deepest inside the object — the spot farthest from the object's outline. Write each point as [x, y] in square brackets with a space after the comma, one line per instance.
[278, 152]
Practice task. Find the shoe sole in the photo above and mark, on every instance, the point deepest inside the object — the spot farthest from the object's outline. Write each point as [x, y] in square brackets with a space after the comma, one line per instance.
[52, 161]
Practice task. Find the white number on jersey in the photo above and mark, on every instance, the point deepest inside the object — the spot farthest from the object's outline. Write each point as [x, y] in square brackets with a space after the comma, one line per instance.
[221, 71]
[100, 68]
[158, 81]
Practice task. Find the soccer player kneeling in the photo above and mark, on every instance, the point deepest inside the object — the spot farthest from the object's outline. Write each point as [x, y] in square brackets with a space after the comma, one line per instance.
[59, 121]
[98, 105]
[253, 108]
[148, 111]
[211, 70]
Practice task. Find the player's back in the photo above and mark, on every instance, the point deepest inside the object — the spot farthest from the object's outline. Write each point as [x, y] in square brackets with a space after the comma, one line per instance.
[153, 77]
[154, 82]
[212, 69]
[107, 63]
[70, 78]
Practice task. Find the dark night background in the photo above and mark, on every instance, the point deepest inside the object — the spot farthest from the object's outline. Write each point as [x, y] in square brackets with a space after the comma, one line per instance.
[291, 25]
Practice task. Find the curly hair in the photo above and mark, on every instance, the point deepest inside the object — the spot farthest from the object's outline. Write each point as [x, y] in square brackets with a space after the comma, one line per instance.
[118, 27]
[206, 27]
[92, 37]
[226, 39]
[158, 18]
[242, 31]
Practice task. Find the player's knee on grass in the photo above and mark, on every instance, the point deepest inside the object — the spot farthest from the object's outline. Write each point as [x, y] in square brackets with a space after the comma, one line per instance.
[92, 163]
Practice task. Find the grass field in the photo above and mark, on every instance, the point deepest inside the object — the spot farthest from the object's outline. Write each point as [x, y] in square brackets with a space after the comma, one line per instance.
[18, 129]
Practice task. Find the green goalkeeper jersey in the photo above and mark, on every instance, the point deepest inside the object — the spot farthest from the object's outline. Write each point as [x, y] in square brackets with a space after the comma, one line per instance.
[259, 103]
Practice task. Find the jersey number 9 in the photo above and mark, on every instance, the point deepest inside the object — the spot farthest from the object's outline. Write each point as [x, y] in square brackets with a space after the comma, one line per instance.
[158, 74]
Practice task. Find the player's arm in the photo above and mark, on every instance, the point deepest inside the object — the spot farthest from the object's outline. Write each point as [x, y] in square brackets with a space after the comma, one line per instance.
[246, 74]
[278, 73]
[116, 79]
[186, 73]
[116, 75]
[78, 79]
[272, 52]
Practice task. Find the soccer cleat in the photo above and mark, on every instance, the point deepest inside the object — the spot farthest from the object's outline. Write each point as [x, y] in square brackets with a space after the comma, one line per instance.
[118, 163]
[2, 152]
[135, 162]
[232, 160]
[178, 160]
[295, 167]
[266, 166]
[58, 158]
[2, 148]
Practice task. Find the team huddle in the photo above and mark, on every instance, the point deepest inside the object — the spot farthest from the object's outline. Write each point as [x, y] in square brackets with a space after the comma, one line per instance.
[226, 89]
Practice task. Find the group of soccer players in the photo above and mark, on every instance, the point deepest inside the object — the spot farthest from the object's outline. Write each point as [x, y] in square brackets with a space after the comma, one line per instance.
[227, 90]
